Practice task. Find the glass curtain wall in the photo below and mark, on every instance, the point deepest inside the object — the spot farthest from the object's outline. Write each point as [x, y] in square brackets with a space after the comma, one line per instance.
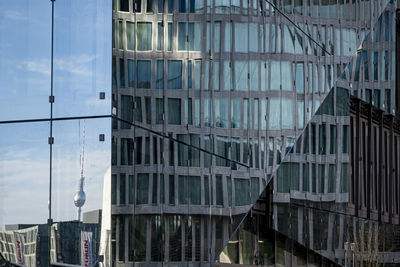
[313, 199]
[221, 102]
[55, 119]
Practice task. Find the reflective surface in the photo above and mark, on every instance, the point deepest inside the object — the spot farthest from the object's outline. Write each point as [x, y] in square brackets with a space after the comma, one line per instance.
[25, 35]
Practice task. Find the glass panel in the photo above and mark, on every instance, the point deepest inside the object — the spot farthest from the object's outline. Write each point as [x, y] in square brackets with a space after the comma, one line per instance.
[174, 74]
[24, 175]
[82, 69]
[26, 64]
[144, 33]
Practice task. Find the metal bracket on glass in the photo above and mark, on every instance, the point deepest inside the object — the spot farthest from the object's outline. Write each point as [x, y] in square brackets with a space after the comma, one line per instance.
[49, 222]
[51, 99]
[102, 95]
[101, 137]
[51, 140]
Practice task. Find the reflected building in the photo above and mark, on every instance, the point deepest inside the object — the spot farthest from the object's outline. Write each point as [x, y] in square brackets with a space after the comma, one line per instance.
[219, 102]
[31, 245]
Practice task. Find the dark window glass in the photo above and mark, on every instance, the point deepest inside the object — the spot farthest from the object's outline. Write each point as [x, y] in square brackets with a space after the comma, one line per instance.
[126, 151]
[121, 73]
[149, 7]
[142, 193]
[160, 36]
[161, 6]
[154, 193]
[170, 6]
[126, 111]
[122, 189]
[143, 73]
[131, 73]
[124, 5]
[174, 74]
[159, 110]
[345, 148]
[131, 188]
[160, 74]
[114, 189]
[174, 111]
[147, 103]
[219, 190]
[138, 156]
[171, 190]
[137, 6]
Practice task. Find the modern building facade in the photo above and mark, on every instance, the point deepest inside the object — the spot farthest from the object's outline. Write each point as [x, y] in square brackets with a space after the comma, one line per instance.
[242, 80]
[218, 132]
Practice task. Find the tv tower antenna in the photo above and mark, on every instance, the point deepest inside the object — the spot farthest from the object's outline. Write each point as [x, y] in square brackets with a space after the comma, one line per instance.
[80, 196]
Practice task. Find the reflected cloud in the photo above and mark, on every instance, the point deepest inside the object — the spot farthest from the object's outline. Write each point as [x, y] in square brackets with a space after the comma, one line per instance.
[15, 15]
[27, 174]
[78, 65]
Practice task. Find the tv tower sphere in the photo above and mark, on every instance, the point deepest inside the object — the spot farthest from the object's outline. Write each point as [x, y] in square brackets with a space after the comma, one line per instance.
[79, 199]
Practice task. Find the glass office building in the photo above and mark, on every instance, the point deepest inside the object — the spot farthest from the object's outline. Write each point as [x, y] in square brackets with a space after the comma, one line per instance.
[209, 132]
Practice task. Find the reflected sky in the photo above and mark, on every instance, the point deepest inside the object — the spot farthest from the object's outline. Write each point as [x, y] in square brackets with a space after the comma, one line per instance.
[82, 58]
[24, 169]
[82, 69]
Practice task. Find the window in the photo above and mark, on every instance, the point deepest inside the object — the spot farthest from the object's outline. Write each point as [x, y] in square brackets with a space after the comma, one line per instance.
[222, 150]
[174, 74]
[189, 190]
[130, 35]
[241, 70]
[333, 139]
[142, 193]
[197, 74]
[160, 74]
[171, 6]
[241, 192]
[217, 36]
[144, 32]
[263, 114]
[149, 6]
[253, 71]
[287, 113]
[274, 113]
[137, 6]
[221, 112]
[321, 178]
[160, 36]
[345, 147]
[143, 73]
[189, 32]
[218, 190]
[332, 178]
[124, 5]
[126, 111]
[253, 32]
[174, 111]
[216, 75]
[159, 111]
[306, 178]
[169, 44]
[171, 189]
[227, 76]
[208, 116]
[121, 72]
[188, 112]
[126, 151]
[131, 73]
[228, 37]
[189, 74]
[300, 78]
[241, 37]
[120, 36]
